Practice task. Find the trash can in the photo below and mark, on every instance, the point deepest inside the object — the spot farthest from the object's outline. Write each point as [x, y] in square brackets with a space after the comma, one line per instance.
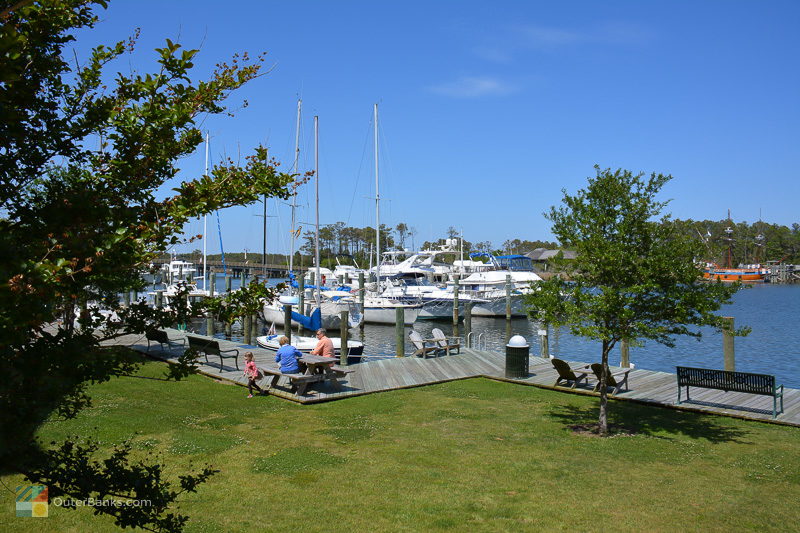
[517, 357]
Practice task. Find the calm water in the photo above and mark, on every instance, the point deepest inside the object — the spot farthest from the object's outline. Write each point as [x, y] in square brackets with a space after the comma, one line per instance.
[773, 346]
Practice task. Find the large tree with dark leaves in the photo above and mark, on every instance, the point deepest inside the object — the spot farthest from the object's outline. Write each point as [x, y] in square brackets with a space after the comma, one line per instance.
[635, 275]
[81, 160]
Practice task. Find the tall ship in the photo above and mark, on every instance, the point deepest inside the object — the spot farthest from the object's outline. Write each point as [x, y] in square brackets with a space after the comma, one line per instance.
[754, 273]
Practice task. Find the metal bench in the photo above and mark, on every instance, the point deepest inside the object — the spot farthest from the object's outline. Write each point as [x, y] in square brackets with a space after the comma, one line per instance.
[727, 380]
[208, 347]
[160, 336]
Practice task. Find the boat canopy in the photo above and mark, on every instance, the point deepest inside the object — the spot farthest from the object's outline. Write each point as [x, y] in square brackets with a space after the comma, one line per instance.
[507, 262]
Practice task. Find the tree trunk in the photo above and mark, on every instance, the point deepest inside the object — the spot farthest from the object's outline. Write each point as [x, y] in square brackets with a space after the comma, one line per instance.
[603, 421]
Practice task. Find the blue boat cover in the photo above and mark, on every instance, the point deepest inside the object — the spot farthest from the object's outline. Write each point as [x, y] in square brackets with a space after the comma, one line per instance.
[313, 322]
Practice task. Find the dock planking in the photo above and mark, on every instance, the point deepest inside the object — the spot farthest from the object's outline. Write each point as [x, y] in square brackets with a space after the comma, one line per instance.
[378, 375]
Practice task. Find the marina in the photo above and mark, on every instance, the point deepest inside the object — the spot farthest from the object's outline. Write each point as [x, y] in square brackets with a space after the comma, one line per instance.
[645, 386]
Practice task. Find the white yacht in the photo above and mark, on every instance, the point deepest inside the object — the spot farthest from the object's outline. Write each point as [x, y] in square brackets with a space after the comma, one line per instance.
[490, 285]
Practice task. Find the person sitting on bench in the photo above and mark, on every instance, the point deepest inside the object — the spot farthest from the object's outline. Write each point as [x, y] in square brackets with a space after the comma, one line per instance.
[288, 356]
[324, 345]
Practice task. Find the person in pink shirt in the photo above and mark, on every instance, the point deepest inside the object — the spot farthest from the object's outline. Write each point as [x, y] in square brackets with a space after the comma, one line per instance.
[252, 374]
[324, 345]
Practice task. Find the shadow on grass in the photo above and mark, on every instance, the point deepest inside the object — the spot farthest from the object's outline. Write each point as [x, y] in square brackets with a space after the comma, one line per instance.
[652, 421]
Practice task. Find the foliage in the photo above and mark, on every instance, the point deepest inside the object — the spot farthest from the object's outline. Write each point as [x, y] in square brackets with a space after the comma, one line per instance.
[634, 276]
[81, 161]
[758, 242]
[246, 301]
[338, 239]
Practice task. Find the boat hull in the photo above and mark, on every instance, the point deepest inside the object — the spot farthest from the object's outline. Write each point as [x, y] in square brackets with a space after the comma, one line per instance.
[355, 349]
[749, 275]
[388, 315]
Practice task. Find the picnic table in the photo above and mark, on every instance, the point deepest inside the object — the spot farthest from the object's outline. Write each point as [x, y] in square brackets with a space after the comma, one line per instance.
[318, 369]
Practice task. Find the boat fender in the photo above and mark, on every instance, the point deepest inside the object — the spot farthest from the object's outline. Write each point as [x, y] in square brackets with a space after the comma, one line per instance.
[289, 300]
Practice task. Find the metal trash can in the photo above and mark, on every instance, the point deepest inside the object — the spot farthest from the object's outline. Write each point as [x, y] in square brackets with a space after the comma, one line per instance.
[517, 357]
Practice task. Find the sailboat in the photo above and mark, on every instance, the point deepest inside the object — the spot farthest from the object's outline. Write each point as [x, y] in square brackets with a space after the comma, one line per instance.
[328, 305]
[379, 309]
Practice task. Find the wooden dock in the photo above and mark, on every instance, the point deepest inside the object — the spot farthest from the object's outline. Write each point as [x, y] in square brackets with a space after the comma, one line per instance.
[378, 375]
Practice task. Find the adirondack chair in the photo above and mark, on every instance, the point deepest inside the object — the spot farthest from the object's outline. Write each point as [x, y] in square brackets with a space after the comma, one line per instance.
[446, 343]
[613, 379]
[423, 346]
[567, 374]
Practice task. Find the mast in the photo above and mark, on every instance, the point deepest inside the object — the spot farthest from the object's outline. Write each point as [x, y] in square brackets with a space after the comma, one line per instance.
[205, 230]
[294, 171]
[377, 209]
[316, 202]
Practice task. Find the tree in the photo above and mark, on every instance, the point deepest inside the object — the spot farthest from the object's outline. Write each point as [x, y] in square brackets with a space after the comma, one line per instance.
[634, 277]
[402, 231]
[80, 164]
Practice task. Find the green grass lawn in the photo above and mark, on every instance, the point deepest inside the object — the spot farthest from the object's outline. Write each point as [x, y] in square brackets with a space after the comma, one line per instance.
[473, 455]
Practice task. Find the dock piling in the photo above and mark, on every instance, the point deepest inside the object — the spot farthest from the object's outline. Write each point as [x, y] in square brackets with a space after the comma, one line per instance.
[399, 330]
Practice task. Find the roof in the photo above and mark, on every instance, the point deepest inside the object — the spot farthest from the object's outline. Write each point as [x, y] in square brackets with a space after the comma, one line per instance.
[542, 254]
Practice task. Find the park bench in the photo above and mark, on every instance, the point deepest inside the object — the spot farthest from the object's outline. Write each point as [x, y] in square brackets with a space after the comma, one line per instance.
[160, 336]
[727, 380]
[208, 347]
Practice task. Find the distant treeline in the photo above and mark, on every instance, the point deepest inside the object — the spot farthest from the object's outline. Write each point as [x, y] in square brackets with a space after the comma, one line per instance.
[758, 242]
[750, 243]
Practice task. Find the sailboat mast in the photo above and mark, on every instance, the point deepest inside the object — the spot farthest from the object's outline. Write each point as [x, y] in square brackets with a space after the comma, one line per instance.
[316, 202]
[205, 231]
[377, 208]
[294, 171]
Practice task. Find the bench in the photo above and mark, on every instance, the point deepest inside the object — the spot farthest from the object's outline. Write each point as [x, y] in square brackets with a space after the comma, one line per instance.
[160, 336]
[727, 380]
[208, 347]
[299, 382]
[341, 371]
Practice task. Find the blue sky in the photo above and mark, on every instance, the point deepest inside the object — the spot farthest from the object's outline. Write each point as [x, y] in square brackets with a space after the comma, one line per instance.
[489, 109]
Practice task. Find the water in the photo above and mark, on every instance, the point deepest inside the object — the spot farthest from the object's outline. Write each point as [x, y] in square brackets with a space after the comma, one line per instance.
[773, 346]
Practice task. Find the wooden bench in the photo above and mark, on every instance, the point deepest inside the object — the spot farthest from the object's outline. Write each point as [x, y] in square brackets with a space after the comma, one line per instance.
[299, 382]
[208, 347]
[727, 380]
[160, 336]
[341, 371]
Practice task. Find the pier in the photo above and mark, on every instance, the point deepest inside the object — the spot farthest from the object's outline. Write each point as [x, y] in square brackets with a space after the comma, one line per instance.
[380, 375]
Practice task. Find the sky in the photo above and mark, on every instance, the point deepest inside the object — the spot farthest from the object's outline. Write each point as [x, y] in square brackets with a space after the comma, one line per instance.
[488, 110]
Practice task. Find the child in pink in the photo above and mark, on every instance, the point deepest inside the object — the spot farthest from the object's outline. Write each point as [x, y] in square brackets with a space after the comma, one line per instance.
[251, 373]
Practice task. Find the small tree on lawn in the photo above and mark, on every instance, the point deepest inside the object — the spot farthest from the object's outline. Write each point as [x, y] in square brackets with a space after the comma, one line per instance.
[634, 277]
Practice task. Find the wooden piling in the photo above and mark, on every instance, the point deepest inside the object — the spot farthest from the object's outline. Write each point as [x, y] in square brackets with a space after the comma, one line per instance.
[727, 344]
[468, 323]
[228, 282]
[361, 297]
[399, 331]
[624, 353]
[287, 321]
[211, 281]
[209, 324]
[456, 286]
[508, 296]
[301, 304]
[343, 326]
[248, 329]
[544, 335]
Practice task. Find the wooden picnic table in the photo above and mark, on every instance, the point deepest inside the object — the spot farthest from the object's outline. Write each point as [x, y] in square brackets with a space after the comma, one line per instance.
[322, 366]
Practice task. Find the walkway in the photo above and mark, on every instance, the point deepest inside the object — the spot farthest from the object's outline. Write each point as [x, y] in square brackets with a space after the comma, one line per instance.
[647, 386]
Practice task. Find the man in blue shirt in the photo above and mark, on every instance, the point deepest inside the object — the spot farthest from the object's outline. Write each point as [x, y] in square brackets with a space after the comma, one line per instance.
[287, 356]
